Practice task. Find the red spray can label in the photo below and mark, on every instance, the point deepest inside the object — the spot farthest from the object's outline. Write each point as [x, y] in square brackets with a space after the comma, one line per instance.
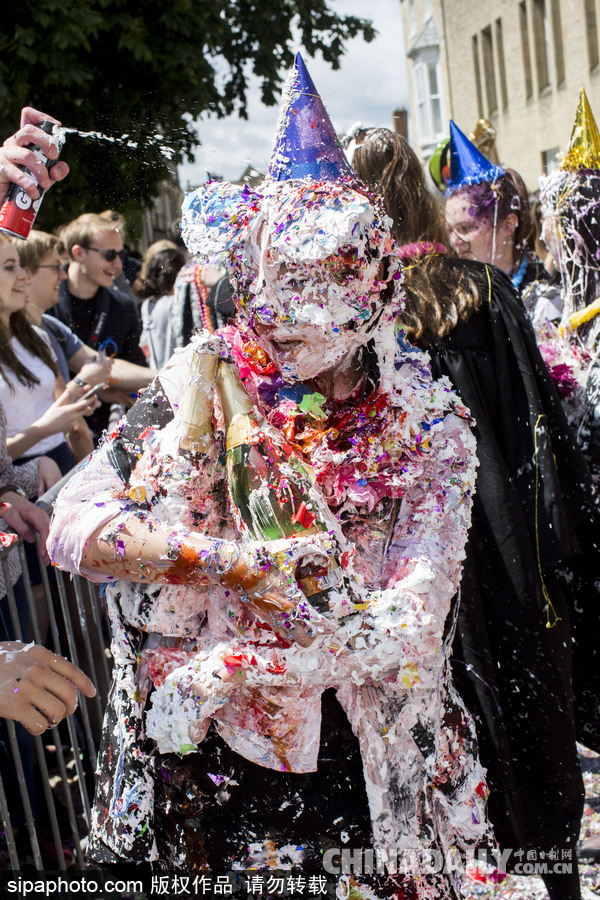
[18, 212]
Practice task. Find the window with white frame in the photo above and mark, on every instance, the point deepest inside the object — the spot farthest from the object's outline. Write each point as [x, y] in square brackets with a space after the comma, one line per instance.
[428, 99]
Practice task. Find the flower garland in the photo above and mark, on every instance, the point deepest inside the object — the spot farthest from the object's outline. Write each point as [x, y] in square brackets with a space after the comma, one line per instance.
[361, 450]
[419, 249]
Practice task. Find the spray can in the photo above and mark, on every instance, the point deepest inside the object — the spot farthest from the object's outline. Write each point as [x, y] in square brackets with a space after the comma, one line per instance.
[18, 212]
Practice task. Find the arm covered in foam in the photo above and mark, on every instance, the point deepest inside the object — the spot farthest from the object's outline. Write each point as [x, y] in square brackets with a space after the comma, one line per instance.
[397, 637]
[97, 495]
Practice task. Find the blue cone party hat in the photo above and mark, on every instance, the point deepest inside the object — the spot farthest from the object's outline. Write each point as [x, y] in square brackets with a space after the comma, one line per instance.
[306, 145]
[467, 164]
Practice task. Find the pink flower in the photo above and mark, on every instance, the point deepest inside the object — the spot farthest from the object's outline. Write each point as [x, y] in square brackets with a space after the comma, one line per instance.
[364, 493]
[279, 416]
[564, 379]
[548, 352]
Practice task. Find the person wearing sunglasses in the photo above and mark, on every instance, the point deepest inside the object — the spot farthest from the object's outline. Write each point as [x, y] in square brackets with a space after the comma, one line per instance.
[88, 302]
[40, 259]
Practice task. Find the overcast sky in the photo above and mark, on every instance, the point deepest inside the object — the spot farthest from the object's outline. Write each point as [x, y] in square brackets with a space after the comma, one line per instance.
[370, 84]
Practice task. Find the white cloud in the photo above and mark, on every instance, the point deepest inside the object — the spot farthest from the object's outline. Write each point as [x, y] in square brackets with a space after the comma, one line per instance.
[368, 86]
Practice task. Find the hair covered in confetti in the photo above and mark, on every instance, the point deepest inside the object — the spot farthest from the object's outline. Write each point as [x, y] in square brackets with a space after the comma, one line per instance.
[570, 197]
[293, 223]
[571, 231]
[312, 222]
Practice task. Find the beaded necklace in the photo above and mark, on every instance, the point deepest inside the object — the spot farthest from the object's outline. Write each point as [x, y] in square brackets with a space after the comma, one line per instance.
[202, 299]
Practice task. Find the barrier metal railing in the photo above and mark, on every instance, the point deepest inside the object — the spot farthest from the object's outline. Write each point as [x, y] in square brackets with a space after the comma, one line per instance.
[46, 819]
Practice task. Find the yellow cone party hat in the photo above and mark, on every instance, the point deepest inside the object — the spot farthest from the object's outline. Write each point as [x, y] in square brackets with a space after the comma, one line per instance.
[584, 146]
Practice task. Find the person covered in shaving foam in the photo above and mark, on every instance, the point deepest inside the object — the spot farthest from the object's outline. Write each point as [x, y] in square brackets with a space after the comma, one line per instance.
[570, 197]
[280, 522]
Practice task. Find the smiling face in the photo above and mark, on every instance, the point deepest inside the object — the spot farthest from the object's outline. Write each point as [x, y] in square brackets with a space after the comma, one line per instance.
[13, 282]
[92, 265]
[45, 280]
[480, 232]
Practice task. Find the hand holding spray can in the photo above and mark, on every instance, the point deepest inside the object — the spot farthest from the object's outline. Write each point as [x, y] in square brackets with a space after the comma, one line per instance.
[18, 212]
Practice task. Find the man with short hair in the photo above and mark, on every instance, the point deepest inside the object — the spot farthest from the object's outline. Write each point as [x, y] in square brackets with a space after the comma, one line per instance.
[101, 315]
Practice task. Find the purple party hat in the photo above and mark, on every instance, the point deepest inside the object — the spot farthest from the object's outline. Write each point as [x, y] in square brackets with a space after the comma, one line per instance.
[467, 164]
[306, 145]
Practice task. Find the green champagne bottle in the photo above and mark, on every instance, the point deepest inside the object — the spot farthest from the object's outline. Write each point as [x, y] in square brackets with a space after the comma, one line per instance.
[270, 485]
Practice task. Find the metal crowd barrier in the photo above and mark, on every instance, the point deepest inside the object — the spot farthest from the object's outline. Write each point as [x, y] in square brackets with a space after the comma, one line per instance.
[49, 830]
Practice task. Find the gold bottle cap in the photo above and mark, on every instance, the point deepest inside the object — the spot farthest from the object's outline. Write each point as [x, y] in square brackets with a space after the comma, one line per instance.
[242, 418]
[196, 409]
[235, 399]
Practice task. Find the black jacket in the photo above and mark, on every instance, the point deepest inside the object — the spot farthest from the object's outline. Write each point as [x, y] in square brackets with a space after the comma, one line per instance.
[533, 510]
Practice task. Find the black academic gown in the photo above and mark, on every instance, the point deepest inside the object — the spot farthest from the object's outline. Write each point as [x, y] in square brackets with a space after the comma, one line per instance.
[532, 508]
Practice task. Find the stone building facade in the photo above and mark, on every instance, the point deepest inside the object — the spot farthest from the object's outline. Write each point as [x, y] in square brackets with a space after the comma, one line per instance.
[518, 63]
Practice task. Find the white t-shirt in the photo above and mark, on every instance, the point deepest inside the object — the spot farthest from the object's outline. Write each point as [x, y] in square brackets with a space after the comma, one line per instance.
[24, 405]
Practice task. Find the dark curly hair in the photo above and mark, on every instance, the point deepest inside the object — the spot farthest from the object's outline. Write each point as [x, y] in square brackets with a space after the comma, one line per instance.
[439, 292]
[161, 272]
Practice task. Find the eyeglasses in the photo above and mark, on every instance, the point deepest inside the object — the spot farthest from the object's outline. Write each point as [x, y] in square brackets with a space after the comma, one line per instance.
[110, 255]
[56, 266]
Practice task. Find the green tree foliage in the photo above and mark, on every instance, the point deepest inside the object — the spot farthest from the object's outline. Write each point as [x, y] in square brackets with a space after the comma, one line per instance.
[147, 70]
